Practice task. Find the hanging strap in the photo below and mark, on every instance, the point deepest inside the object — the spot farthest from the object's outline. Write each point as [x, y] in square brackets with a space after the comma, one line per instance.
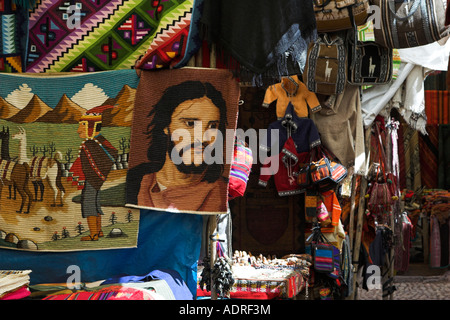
[380, 150]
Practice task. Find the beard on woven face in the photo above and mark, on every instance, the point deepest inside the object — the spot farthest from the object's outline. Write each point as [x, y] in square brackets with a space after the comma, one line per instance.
[189, 168]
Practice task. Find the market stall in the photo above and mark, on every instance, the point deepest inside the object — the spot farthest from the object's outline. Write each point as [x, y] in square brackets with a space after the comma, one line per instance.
[147, 147]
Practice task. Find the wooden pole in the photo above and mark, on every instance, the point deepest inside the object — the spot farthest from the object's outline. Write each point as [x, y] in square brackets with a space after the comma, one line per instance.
[212, 229]
[359, 223]
[351, 226]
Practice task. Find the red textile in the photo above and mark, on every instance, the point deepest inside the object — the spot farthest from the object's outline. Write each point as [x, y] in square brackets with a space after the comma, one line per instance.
[18, 294]
[332, 204]
[285, 180]
[244, 295]
[109, 293]
[437, 106]
[429, 156]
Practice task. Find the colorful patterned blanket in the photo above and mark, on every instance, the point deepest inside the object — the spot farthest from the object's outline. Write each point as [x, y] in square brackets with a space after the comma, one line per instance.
[95, 35]
[182, 140]
[68, 138]
[13, 37]
[176, 40]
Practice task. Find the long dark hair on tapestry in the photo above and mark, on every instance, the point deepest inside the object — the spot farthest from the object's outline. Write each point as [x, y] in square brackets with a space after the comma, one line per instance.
[161, 115]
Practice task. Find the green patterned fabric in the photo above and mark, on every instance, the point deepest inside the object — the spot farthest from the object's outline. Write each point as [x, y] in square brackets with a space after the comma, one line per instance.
[108, 35]
[13, 37]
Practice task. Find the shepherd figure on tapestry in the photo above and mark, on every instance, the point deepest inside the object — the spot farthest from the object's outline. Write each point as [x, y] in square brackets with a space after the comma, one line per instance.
[65, 144]
[184, 169]
[91, 168]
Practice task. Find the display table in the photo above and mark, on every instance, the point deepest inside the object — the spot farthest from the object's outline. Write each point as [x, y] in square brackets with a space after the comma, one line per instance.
[263, 283]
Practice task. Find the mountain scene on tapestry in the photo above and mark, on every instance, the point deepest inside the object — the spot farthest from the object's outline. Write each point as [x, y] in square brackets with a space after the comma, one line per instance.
[65, 143]
[87, 36]
[182, 140]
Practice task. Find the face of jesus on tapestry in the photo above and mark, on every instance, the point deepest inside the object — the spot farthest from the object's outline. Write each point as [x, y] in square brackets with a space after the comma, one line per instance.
[186, 132]
[193, 131]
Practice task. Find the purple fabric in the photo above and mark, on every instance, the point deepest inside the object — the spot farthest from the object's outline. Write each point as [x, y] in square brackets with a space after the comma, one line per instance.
[171, 277]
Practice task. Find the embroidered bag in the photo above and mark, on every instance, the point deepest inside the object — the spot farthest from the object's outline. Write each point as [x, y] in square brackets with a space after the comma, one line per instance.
[326, 173]
[322, 251]
[240, 169]
[369, 63]
[326, 65]
[406, 24]
[304, 177]
[336, 15]
[380, 199]
[323, 215]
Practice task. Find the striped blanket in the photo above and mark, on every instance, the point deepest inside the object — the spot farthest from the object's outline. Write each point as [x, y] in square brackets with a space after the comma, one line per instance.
[38, 167]
[6, 168]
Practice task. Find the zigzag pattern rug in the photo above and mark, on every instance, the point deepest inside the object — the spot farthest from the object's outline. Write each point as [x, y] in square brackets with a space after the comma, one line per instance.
[109, 34]
[176, 39]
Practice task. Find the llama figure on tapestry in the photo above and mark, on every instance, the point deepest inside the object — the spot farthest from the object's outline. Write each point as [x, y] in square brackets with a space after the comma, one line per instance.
[41, 169]
[56, 158]
[371, 67]
[328, 71]
[14, 175]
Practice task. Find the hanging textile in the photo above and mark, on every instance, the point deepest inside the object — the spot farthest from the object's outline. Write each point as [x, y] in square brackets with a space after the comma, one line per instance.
[13, 36]
[176, 39]
[444, 233]
[68, 137]
[429, 155]
[261, 36]
[402, 248]
[289, 161]
[447, 14]
[435, 243]
[412, 157]
[444, 157]
[108, 34]
[291, 90]
[406, 93]
[437, 106]
[182, 140]
[341, 130]
[302, 130]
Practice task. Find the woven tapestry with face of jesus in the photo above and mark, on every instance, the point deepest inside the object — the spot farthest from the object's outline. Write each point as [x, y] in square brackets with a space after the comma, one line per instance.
[64, 156]
[182, 140]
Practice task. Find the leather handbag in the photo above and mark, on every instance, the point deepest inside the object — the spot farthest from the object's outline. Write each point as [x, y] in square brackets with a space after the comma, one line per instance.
[407, 24]
[369, 63]
[326, 65]
[336, 15]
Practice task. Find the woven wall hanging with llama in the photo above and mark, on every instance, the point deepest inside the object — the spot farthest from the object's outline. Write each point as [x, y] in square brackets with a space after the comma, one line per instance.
[64, 156]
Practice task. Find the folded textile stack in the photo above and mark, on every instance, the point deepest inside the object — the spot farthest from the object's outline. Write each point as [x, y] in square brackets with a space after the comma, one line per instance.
[14, 284]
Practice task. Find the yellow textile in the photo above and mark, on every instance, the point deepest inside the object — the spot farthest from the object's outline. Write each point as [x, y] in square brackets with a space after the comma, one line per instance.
[292, 90]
